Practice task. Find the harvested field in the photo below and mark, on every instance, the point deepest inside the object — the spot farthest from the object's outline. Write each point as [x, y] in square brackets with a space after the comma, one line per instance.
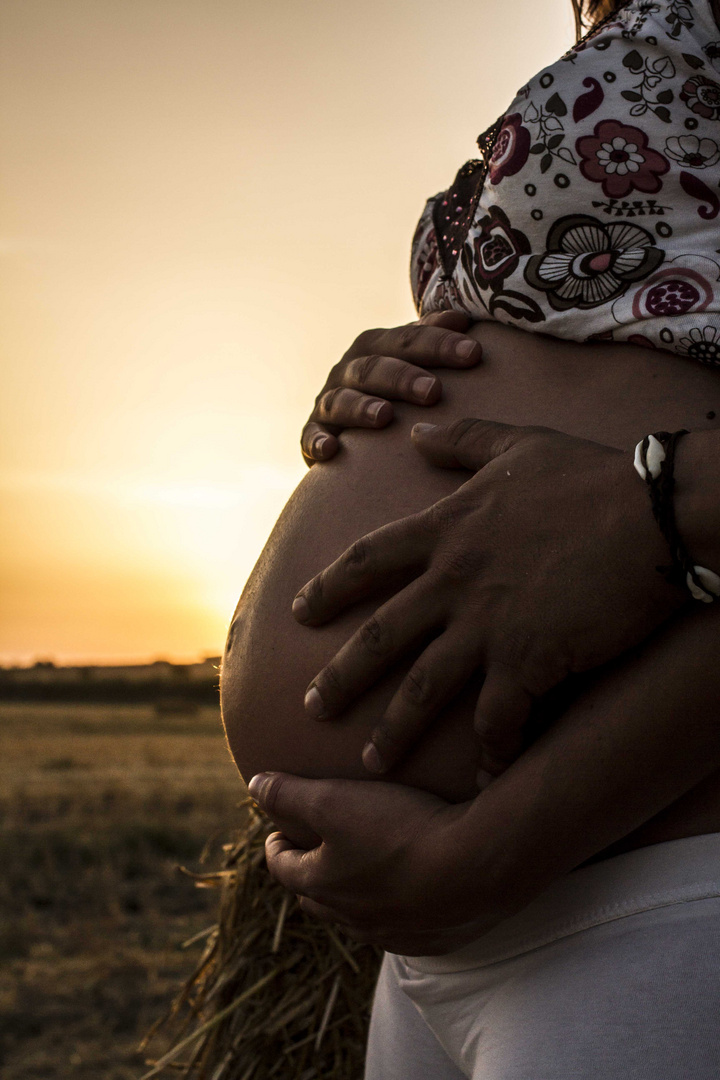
[99, 805]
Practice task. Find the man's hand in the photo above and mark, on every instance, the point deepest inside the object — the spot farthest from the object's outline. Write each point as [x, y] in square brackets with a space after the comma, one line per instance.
[544, 563]
[383, 366]
[419, 876]
[390, 865]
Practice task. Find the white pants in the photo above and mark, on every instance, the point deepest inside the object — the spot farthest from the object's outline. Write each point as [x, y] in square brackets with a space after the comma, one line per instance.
[612, 974]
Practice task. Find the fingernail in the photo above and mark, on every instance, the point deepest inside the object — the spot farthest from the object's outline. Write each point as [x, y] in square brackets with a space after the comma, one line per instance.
[256, 785]
[374, 410]
[465, 349]
[300, 609]
[423, 429]
[314, 704]
[423, 387]
[371, 758]
[318, 445]
[482, 779]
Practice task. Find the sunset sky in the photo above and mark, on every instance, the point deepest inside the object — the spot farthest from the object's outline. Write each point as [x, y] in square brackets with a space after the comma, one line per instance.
[202, 203]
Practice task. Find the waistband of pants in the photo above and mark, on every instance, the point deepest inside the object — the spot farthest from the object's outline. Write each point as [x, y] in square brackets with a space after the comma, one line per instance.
[673, 872]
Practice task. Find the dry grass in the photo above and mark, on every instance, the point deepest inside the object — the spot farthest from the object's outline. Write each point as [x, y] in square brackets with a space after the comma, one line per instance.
[275, 993]
[99, 804]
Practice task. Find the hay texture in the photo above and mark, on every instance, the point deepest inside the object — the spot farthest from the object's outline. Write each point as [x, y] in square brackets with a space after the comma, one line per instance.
[276, 993]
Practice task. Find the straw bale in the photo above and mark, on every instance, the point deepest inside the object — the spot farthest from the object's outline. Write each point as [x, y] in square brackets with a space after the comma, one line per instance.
[275, 992]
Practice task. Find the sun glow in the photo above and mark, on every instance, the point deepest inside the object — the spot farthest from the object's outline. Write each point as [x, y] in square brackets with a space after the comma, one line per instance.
[203, 204]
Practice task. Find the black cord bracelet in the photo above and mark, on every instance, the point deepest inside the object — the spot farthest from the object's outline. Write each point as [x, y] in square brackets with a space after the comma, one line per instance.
[655, 463]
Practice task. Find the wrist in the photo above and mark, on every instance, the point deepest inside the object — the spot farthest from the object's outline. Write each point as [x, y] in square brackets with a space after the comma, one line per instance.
[697, 497]
[646, 553]
[495, 874]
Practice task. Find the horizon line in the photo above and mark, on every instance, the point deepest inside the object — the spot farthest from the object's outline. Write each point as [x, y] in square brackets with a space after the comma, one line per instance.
[199, 658]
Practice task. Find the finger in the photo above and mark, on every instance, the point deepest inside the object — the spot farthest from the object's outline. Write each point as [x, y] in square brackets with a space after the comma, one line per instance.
[467, 443]
[380, 642]
[449, 320]
[363, 568]
[291, 867]
[427, 345]
[298, 803]
[345, 407]
[276, 843]
[317, 443]
[502, 711]
[392, 378]
[434, 680]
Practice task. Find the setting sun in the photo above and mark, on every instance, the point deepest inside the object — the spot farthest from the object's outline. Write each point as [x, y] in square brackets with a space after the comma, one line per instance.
[204, 203]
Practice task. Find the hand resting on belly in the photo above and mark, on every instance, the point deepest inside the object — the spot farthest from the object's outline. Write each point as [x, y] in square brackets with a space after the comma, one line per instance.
[612, 394]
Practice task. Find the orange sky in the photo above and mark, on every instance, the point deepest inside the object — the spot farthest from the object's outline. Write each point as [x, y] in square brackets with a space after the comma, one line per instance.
[203, 202]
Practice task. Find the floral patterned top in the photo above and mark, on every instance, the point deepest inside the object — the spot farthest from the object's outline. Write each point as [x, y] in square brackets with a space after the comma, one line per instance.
[593, 212]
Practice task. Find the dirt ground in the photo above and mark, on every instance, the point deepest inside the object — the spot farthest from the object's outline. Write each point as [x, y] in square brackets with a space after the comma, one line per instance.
[98, 807]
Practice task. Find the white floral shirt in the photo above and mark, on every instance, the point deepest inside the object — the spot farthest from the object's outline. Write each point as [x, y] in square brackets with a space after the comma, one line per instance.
[593, 212]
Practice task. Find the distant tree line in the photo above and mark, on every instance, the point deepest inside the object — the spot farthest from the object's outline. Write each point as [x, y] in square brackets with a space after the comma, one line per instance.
[161, 683]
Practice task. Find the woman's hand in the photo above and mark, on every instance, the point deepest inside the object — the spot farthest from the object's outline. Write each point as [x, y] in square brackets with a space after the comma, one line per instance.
[407, 871]
[545, 562]
[385, 365]
[388, 866]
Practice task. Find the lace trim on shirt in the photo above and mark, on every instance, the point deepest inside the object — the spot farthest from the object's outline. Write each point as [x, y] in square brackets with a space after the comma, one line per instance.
[454, 210]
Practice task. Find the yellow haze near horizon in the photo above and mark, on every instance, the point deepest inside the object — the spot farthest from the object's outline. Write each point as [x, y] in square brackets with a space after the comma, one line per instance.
[203, 204]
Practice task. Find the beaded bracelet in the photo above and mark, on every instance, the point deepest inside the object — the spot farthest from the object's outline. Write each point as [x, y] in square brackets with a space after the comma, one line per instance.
[655, 463]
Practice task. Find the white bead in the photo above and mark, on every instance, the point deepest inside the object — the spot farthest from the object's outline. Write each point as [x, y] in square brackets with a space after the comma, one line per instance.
[709, 579]
[696, 593]
[707, 585]
[654, 456]
[639, 467]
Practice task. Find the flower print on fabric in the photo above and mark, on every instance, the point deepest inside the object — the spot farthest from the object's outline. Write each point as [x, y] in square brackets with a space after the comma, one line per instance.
[702, 95]
[703, 344]
[634, 19]
[712, 52]
[490, 256]
[511, 149]
[591, 209]
[679, 17]
[588, 103]
[646, 94]
[424, 256]
[495, 249]
[692, 152]
[685, 285]
[425, 263]
[697, 189]
[641, 340]
[589, 262]
[549, 131]
[618, 157]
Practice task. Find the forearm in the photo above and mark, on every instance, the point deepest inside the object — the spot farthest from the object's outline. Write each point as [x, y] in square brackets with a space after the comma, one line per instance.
[420, 876]
[645, 733]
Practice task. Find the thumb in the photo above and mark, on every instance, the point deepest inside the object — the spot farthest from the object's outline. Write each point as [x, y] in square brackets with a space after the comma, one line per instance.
[447, 320]
[468, 443]
[301, 808]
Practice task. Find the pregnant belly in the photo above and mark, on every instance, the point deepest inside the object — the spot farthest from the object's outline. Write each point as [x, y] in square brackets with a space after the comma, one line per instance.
[611, 393]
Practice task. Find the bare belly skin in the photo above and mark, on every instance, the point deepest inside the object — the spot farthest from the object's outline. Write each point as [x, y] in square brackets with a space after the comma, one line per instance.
[613, 394]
